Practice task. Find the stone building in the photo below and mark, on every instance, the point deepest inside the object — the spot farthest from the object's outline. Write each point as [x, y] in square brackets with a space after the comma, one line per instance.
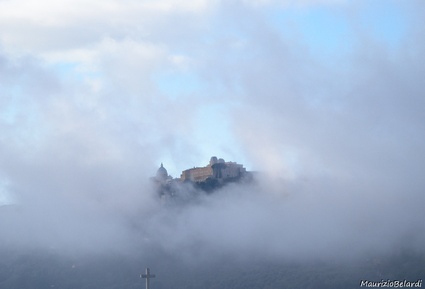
[216, 169]
[161, 174]
[164, 183]
[209, 178]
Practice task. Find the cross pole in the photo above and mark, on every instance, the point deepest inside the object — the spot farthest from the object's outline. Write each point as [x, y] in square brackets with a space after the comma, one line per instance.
[147, 275]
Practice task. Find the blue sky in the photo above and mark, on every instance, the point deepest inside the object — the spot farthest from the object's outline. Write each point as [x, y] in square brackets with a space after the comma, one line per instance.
[177, 83]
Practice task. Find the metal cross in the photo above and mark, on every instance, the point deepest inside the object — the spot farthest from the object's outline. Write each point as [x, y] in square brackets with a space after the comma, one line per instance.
[148, 275]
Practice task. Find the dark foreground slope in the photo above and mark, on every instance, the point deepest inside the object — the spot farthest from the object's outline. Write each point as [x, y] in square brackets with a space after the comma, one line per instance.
[38, 270]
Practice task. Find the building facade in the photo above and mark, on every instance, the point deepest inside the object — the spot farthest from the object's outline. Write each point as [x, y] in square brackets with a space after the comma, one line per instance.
[216, 169]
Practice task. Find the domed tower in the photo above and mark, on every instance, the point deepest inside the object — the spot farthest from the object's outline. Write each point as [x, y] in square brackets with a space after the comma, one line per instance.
[161, 173]
[213, 161]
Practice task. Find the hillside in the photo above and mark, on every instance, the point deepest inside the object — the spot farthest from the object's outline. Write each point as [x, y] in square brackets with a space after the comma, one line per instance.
[39, 270]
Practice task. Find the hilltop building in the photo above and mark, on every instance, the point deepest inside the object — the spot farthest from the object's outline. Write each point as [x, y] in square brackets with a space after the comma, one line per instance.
[162, 174]
[217, 169]
[212, 176]
[162, 181]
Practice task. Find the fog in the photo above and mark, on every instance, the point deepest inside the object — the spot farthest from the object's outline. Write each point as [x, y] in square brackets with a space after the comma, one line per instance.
[298, 220]
[337, 139]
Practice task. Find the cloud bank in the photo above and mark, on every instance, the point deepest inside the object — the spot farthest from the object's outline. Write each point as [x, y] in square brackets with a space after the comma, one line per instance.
[93, 97]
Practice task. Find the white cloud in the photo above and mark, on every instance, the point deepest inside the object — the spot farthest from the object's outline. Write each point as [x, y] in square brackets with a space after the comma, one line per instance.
[84, 122]
[51, 26]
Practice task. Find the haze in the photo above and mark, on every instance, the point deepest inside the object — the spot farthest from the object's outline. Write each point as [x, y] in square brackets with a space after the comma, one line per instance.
[324, 98]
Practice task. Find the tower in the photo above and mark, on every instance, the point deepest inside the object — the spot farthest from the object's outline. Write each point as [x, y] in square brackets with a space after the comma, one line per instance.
[161, 173]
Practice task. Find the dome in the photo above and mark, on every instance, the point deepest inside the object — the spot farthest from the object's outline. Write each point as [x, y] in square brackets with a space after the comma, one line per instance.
[213, 161]
[161, 173]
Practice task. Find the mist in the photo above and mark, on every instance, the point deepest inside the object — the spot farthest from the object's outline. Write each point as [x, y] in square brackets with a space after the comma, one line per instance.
[323, 100]
[290, 220]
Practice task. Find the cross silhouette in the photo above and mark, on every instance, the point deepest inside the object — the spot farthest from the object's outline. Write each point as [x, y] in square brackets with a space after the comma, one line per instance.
[147, 275]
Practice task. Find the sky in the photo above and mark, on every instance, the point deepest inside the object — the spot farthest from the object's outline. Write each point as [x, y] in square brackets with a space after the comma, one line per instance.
[325, 97]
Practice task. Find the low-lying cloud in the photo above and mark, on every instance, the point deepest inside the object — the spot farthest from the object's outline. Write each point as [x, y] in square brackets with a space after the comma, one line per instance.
[338, 141]
[298, 221]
